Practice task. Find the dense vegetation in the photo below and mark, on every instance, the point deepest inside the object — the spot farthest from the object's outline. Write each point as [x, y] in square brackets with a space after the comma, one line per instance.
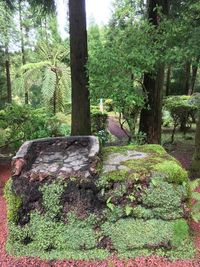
[143, 67]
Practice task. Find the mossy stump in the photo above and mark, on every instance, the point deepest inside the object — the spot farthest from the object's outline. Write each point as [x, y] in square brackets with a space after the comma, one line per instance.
[134, 203]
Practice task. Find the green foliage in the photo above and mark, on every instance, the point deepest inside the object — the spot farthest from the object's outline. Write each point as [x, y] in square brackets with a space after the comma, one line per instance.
[51, 194]
[141, 212]
[184, 252]
[166, 118]
[109, 104]
[99, 124]
[21, 123]
[195, 209]
[53, 74]
[14, 202]
[173, 171]
[181, 232]
[109, 204]
[181, 110]
[98, 120]
[50, 239]
[164, 199]
[111, 177]
[128, 234]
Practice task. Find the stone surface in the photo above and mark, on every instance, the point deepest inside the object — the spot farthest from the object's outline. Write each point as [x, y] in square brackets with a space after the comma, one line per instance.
[114, 161]
[56, 156]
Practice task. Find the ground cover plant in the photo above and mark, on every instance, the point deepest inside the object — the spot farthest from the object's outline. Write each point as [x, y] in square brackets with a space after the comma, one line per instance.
[142, 207]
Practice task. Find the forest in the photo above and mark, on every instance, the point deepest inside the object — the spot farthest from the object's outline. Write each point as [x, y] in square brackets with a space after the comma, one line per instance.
[133, 83]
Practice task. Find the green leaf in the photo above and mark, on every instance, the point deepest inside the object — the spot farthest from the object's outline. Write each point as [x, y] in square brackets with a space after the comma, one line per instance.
[110, 206]
[154, 182]
[128, 210]
[196, 217]
[196, 196]
[194, 184]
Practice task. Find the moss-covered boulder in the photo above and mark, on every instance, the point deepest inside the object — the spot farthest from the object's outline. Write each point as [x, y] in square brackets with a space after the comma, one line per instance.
[139, 206]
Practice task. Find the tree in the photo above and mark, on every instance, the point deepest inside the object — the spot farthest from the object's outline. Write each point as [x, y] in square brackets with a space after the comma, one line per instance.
[151, 115]
[7, 36]
[52, 74]
[81, 124]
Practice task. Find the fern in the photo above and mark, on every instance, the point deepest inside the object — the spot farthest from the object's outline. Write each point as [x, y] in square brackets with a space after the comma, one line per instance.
[49, 84]
[51, 73]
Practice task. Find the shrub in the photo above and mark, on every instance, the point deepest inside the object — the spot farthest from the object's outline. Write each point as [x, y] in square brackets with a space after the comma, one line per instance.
[98, 120]
[109, 105]
[181, 110]
[21, 123]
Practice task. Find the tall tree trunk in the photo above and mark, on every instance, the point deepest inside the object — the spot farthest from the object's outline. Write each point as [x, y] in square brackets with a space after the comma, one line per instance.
[22, 46]
[81, 124]
[168, 80]
[186, 84]
[8, 79]
[194, 76]
[151, 114]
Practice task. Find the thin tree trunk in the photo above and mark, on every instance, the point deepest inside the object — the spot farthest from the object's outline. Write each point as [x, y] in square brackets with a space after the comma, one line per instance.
[81, 124]
[168, 80]
[8, 79]
[194, 76]
[22, 46]
[186, 85]
[151, 114]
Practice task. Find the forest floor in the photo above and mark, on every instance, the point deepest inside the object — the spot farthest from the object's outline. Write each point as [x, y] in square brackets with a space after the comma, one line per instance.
[182, 150]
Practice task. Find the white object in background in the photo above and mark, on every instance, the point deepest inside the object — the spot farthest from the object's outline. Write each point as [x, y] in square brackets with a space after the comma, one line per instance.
[101, 105]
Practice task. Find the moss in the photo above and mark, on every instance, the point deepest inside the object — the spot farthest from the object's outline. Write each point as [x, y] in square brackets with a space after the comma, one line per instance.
[175, 173]
[142, 165]
[14, 202]
[154, 148]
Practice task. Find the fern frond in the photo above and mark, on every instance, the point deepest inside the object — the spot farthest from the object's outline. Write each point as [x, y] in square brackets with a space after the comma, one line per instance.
[34, 66]
[49, 84]
[65, 81]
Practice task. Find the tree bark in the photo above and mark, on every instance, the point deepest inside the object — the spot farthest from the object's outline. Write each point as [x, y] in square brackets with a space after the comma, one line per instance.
[81, 124]
[151, 114]
[186, 85]
[168, 80]
[194, 76]
[8, 79]
[26, 96]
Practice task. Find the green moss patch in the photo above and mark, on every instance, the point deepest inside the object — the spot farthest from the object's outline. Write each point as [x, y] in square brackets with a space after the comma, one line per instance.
[14, 202]
[174, 172]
